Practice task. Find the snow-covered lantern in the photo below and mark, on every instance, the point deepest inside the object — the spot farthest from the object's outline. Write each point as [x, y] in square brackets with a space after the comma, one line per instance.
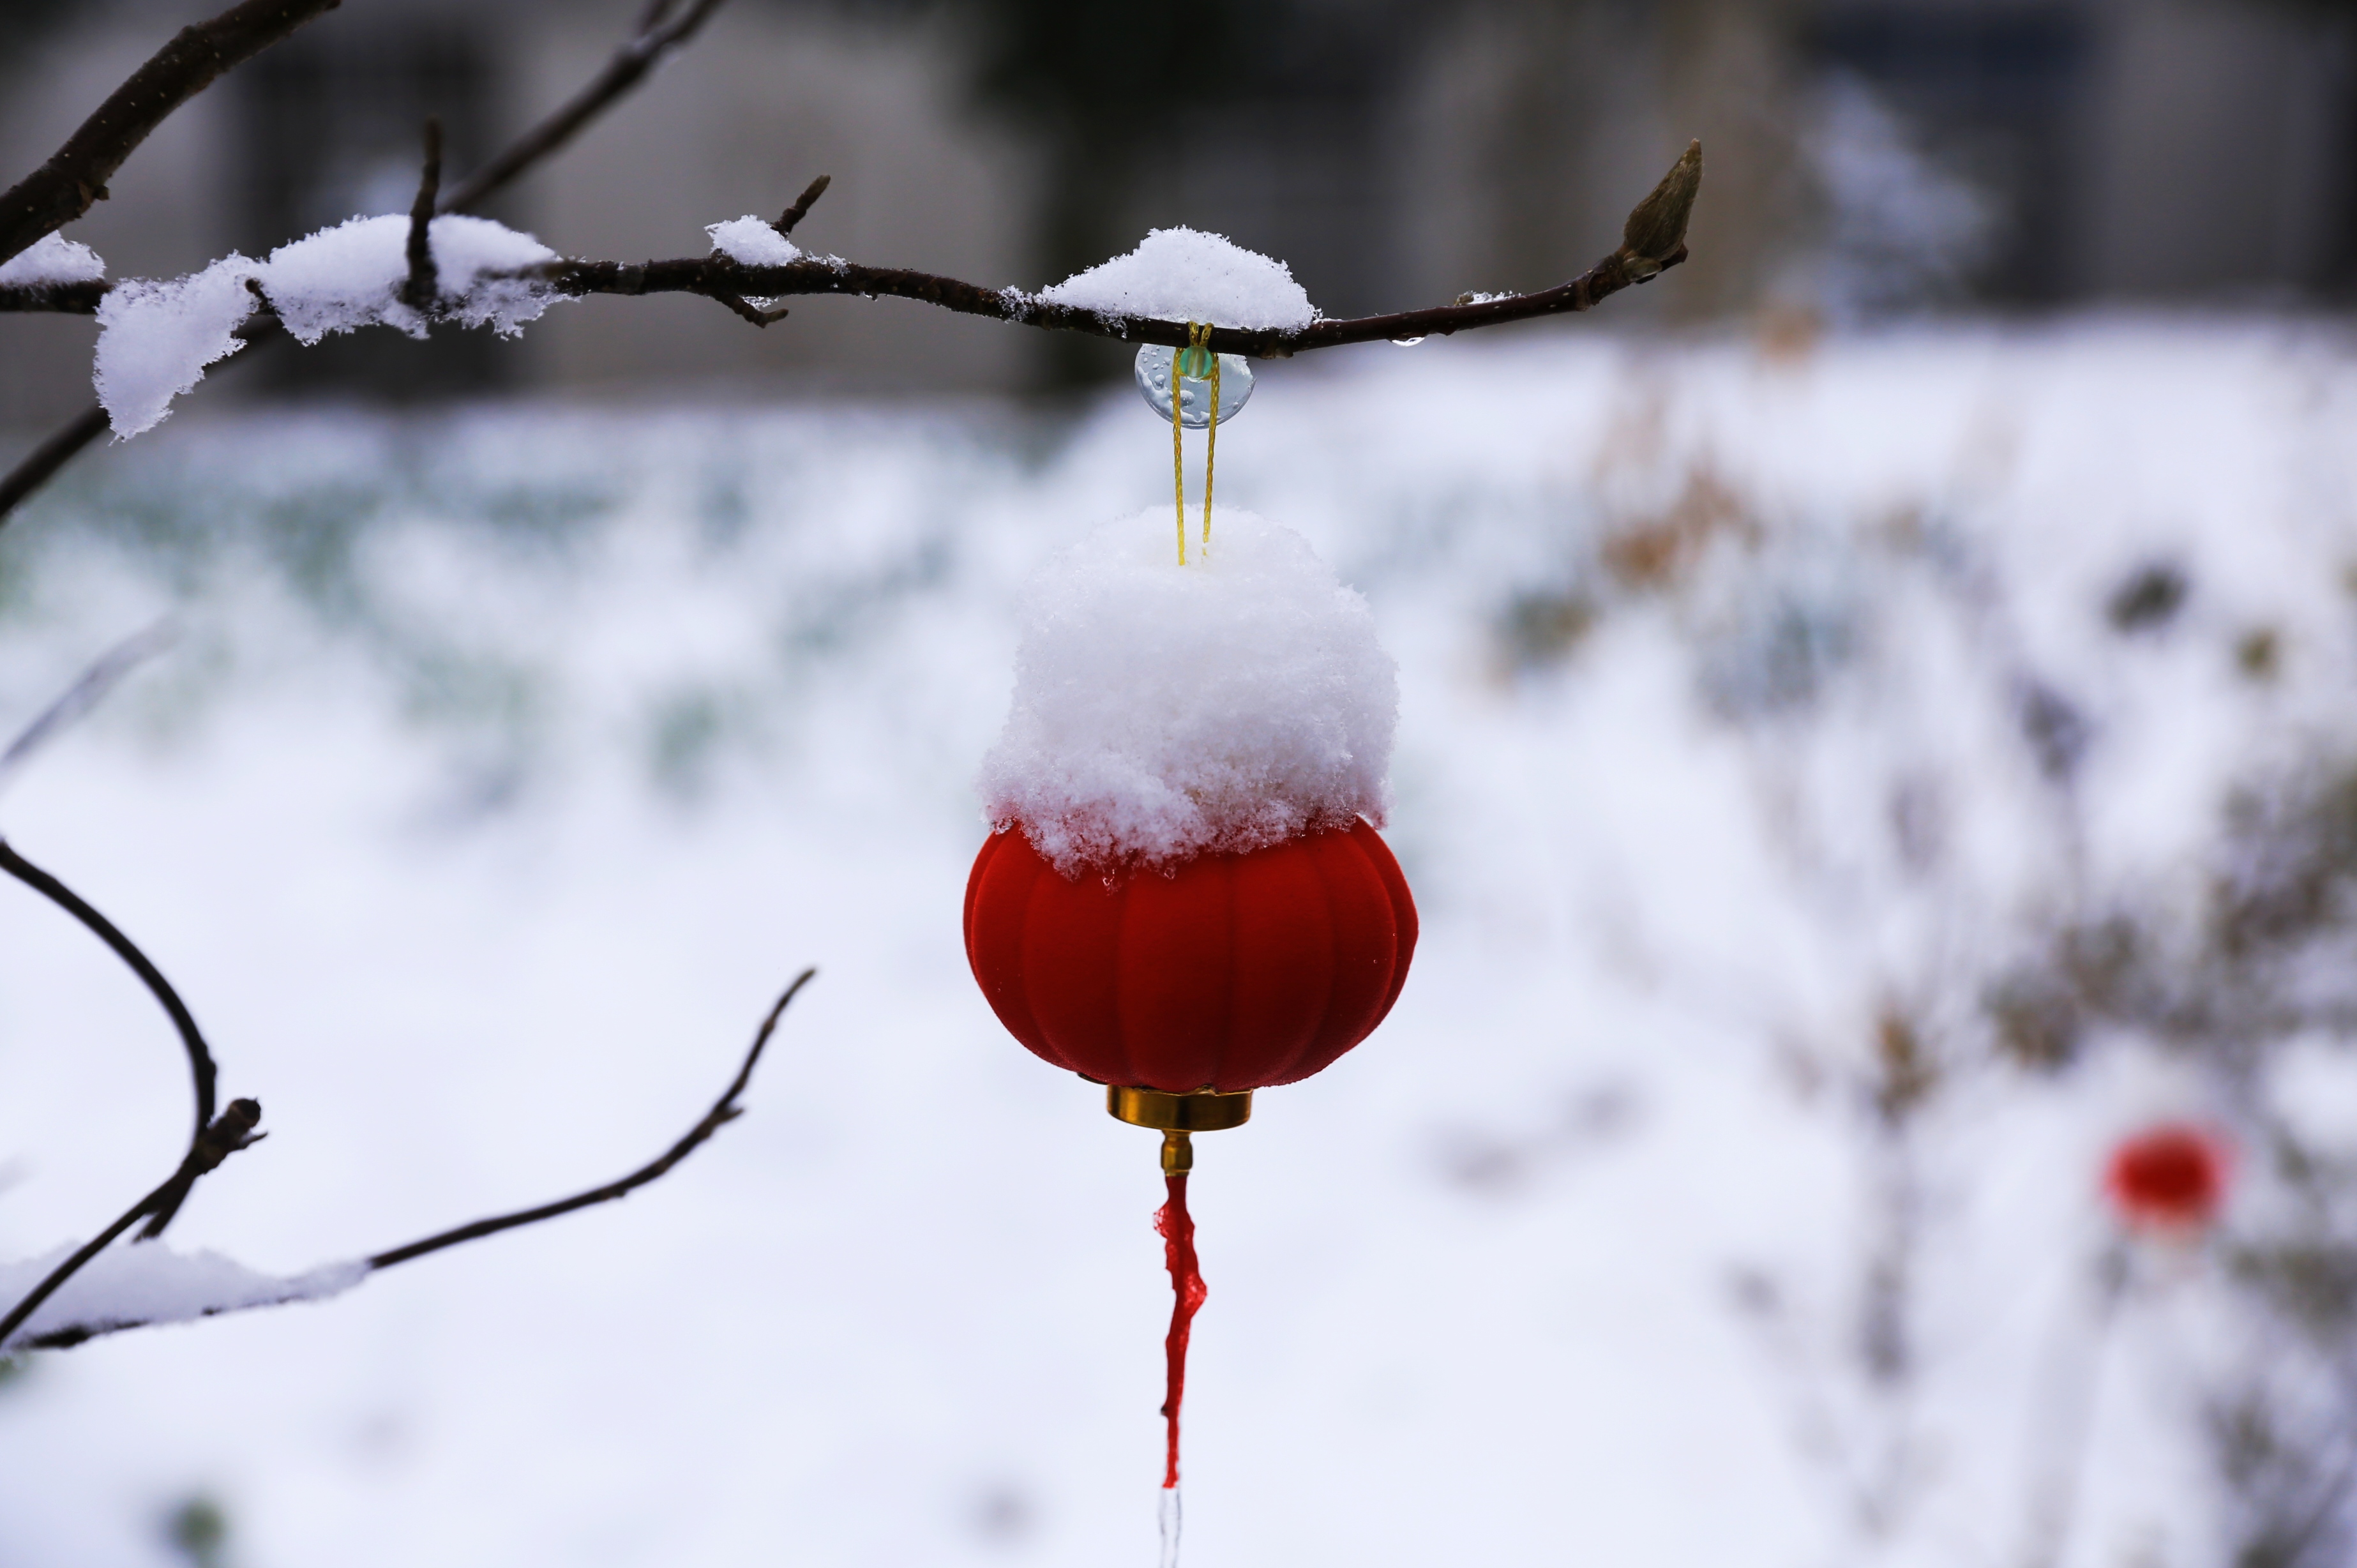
[1185, 897]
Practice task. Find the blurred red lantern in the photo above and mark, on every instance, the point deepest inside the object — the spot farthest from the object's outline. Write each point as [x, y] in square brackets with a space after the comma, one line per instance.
[2170, 1177]
[1215, 977]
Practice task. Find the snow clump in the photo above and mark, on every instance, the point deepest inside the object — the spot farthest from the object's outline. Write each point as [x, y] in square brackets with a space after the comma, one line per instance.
[49, 260]
[349, 276]
[154, 339]
[753, 241]
[126, 1287]
[1184, 274]
[1163, 711]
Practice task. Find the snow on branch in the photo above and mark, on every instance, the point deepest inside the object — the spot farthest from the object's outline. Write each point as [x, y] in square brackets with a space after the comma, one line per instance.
[73, 1294]
[134, 1287]
[155, 340]
[51, 261]
[1184, 274]
[1143, 298]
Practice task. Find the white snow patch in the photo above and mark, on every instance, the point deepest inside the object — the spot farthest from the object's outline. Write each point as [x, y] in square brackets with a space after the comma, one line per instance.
[349, 277]
[154, 339]
[1161, 711]
[1184, 274]
[753, 241]
[146, 1281]
[52, 259]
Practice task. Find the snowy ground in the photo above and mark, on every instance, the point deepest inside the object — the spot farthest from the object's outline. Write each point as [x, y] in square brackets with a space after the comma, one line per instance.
[1754, 707]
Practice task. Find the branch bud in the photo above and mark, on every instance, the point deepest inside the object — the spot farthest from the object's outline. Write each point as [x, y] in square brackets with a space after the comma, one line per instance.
[1655, 234]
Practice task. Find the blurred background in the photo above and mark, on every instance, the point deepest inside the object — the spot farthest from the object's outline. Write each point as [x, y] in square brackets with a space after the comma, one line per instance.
[1876, 738]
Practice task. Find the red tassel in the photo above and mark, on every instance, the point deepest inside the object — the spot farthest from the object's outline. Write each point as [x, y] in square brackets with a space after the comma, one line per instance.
[1187, 1288]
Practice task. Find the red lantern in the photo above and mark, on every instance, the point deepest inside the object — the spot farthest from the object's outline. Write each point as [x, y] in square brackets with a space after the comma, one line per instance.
[1184, 989]
[1184, 900]
[1220, 975]
[2169, 1178]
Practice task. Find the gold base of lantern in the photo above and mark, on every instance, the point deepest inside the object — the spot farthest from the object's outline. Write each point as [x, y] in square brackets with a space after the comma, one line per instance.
[1176, 1116]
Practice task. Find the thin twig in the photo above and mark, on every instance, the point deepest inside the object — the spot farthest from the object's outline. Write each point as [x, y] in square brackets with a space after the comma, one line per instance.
[63, 188]
[201, 1059]
[653, 38]
[232, 1131]
[802, 203]
[43, 461]
[419, 290]
[723, 1110]
[758, 317]
[87, 691]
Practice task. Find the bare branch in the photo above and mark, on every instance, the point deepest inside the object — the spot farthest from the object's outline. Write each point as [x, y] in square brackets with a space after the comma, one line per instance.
[63, 188]
[43, 461]
[419, 291]
[88, 689]
[201, 1059]
[758, 318]
[79, 298]
[214, 1143]
[713, 277]
[802, 203]
[234, 1131]
[723, 1110]
[653, 38]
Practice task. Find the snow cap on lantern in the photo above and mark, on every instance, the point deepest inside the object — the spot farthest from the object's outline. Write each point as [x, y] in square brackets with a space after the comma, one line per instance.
[1163, 712]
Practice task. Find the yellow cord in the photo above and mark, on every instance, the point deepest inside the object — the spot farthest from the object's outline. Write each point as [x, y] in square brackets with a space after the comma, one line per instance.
[1198, 337]
[1178, 455]
[1211, 447]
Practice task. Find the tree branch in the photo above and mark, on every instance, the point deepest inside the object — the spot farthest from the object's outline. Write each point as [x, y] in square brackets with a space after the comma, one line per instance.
[418, 291]
[802, 203]
[79, 298]
[653, 38]
[41, 464]
[740, 307]
[723, 1110]
[89, 689]
[201, 1059]
[63, 188]
[1652, 242]
[232, 1131]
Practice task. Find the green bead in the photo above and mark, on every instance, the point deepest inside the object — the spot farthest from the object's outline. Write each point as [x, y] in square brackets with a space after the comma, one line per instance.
[1195, 364]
